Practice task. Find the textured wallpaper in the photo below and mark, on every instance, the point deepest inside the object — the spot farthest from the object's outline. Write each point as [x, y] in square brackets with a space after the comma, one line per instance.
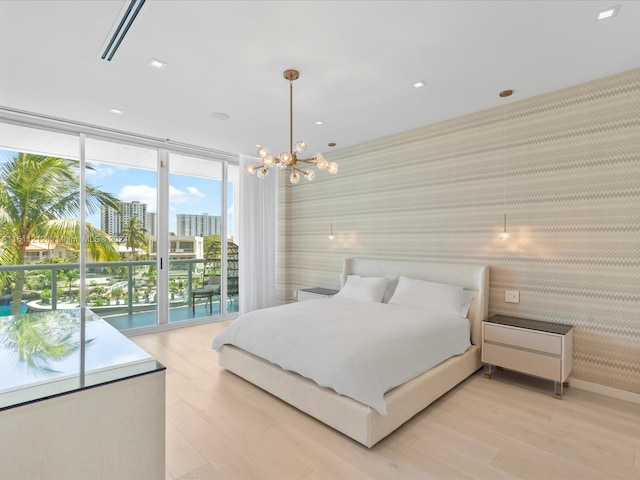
[569, 180]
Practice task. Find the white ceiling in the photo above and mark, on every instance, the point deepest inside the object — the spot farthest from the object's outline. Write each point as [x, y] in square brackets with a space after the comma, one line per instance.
[358, 61]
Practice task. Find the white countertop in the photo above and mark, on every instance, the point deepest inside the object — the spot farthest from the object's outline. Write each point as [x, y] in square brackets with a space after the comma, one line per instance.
[40, 355]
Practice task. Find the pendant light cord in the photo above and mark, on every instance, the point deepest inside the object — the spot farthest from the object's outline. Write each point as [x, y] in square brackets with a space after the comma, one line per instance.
[504, 160]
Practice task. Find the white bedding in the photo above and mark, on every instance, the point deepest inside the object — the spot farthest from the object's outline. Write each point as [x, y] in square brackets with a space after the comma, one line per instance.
[359, 349]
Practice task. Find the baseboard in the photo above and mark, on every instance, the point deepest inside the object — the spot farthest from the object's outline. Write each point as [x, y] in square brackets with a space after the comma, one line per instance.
[604, 390]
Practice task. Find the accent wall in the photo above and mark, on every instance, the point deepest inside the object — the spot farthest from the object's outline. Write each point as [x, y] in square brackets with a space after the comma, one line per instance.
[565, 166]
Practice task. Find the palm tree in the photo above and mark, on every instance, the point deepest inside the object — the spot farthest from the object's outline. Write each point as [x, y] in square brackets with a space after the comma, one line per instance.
[134, 233]
[39, 199]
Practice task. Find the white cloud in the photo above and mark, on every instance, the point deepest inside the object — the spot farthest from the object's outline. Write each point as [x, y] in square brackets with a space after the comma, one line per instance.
[100, 171]
[195, 192]
[182, 197]
[140, 193]
[147, 194]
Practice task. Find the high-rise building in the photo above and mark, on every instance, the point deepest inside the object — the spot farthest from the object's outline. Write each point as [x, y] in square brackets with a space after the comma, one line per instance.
[151, 224]
[112, 220]
[198, 225]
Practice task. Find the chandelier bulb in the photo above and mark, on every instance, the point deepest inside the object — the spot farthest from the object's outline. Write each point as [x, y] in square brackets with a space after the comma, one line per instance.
[300, 146]
[332, 168]
[320, 161]
[268, 161]
[249, 170]
[263, 152]
[286, 157]
[294, 178]
[309, 175]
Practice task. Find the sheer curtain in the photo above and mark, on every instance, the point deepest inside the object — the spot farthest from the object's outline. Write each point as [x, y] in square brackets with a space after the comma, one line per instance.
[258, 203]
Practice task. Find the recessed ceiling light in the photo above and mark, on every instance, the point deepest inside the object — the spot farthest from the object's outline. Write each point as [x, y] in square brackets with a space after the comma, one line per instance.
[220, 116]
[117, 111]
[155, 63]
[420, 84]
[319, 122]
[608, 13]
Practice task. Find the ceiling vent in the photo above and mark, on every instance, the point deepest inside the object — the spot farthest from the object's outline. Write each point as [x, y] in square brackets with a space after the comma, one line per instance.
[121, 27]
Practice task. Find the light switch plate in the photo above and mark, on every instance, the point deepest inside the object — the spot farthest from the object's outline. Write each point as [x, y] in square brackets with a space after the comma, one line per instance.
[512, 296]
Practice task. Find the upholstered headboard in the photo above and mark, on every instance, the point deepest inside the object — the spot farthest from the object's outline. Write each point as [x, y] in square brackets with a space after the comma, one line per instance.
[470, 277]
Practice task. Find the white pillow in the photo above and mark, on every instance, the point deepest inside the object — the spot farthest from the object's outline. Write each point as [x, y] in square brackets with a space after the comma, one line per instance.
[391, 287]
[368, 289]
[438, 297]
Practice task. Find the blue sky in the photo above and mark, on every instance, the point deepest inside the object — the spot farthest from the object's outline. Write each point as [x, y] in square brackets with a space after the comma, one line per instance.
[187, 194]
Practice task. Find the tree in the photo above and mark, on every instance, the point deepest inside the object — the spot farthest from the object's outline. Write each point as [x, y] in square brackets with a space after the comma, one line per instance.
[71, 275]
[40, 199]
[211, 245]
[212, 254]
[135, 234]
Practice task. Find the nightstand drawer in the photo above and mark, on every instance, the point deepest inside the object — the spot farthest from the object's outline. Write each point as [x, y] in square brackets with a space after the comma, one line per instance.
[544, 366]
[528, 339]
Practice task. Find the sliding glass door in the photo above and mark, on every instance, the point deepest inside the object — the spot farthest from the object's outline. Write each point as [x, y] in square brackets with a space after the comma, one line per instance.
[39, 244]
[160, 235]
[202, 249]
[39, 226]
[122, 287]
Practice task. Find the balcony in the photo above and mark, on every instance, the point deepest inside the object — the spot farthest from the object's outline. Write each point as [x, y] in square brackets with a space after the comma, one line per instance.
[123, 293]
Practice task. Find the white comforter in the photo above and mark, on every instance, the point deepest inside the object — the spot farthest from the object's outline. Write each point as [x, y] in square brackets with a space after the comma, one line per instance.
[359, 349]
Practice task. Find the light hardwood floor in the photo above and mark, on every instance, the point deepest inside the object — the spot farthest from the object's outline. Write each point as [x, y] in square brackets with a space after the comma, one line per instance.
[222, 427]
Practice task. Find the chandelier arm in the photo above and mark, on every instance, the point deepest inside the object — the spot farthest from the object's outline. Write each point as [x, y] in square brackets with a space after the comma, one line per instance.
[311, 160]
[296, 169]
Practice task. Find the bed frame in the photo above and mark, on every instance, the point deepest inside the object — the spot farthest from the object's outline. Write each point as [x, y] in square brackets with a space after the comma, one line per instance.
[354, 419]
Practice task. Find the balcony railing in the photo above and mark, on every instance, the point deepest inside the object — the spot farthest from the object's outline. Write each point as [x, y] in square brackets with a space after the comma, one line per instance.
[112, 288]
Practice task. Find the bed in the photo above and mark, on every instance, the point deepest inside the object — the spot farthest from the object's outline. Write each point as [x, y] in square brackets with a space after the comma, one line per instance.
[366, 421]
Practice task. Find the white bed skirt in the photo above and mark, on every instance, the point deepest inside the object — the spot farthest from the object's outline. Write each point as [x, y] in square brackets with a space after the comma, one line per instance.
[354, 419]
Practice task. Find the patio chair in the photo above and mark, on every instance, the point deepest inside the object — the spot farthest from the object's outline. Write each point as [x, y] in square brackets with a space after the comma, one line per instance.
[208, 291]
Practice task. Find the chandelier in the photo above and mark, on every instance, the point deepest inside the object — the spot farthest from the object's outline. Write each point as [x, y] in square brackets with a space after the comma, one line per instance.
[290, 159]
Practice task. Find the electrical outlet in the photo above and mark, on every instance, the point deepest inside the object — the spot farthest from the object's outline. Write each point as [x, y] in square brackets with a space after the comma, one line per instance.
[512, 296]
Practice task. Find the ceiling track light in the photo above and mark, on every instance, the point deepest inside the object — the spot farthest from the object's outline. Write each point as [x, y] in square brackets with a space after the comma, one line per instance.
[290, 159]
[129, 15]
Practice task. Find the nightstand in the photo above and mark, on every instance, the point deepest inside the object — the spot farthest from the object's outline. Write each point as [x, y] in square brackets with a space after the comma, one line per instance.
[315, 293]
[542, 349]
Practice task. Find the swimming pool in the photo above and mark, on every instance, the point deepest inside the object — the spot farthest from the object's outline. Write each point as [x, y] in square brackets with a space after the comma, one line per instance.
[5, 308]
